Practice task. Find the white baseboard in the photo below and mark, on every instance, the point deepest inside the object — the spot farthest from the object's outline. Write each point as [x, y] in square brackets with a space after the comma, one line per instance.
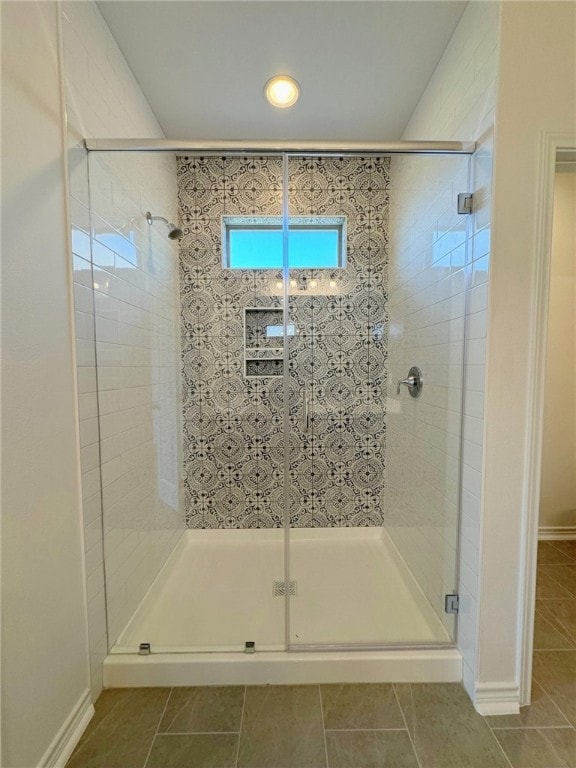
[497, 699]
[556, 532]
[63, 744]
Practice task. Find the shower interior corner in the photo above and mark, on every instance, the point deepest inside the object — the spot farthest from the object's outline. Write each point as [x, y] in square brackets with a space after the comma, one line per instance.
[263, 484]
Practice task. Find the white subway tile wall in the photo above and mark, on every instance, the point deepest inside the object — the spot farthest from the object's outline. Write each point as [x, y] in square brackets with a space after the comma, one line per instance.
[427, 283]
[434, 258]
[126, 303]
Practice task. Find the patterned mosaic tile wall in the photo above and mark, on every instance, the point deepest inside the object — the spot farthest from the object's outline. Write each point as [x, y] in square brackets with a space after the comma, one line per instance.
[233, 425]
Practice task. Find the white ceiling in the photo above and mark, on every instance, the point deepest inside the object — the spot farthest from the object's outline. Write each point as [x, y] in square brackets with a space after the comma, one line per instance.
[362, 66]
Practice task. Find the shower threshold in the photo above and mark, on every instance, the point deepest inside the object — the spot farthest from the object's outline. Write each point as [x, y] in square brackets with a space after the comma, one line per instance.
[221, 588]
[283, 668]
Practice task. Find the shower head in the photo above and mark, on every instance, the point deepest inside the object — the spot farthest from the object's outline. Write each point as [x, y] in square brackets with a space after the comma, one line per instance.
[174, 233]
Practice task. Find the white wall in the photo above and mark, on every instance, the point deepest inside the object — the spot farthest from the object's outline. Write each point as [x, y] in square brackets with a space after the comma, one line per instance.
[536, 94]
[44, 639]
[130, 411]
[439, 265]
[558, 490]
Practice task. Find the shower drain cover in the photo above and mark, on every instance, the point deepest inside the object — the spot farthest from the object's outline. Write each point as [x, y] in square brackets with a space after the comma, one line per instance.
[279, 589]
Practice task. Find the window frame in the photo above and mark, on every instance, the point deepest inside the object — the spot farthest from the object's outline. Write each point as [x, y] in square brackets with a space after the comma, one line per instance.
[275, 223]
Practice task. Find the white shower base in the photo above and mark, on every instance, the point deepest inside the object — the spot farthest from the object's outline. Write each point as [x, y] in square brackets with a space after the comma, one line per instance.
[217, 591]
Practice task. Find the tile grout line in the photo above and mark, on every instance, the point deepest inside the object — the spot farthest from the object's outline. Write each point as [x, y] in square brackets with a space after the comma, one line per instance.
[556, 650]
[354, 730]
[572, 596]
[406, 724]
[241, 726]
[556, 752]
[551, 700]
[552, 599]
[323, 726]
[197, 733]
[557, 562]
[506, 758]
[564, 632]
[508, 761]
[531, 727]
[568, 639]
[551, 542]
[158, 727]
[178, 712]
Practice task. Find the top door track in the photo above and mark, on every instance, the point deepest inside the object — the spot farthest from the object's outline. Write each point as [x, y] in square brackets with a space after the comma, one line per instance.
[295, 147]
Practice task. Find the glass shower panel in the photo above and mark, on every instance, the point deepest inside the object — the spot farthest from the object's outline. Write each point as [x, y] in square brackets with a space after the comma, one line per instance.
[232, 315]
[375, 472]
[190, 383]
[136, 432]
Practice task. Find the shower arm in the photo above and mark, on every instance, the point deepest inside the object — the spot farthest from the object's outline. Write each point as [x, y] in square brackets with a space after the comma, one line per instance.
[174, 232]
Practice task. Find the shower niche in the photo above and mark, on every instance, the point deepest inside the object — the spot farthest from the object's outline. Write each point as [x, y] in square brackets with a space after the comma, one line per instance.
[264, 341]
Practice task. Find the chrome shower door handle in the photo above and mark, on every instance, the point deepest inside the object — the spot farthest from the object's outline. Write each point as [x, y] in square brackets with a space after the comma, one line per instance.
[413, 382]
[306, 413]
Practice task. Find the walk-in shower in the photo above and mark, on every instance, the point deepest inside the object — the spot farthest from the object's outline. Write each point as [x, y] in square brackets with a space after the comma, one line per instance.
[299, 499]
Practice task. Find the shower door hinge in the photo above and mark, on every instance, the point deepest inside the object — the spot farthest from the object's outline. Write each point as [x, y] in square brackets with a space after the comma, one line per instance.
[451, 603]
[465, 201]
[144, 649]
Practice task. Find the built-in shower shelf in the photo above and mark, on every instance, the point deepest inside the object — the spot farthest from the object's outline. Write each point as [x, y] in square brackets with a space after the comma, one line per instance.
[261, 369]
[264, 341]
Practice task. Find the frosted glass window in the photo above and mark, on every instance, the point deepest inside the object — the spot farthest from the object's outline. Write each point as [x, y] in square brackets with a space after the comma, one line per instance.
[257, 242]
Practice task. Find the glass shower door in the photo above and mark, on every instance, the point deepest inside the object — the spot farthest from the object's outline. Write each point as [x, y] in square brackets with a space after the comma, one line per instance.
[234, 418]
[321, 504]
[205, 573]
[374, 472]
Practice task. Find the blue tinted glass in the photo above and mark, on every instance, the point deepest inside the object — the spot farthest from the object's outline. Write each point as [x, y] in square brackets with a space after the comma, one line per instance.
[262, 248]
[312, 248]
[255, 248]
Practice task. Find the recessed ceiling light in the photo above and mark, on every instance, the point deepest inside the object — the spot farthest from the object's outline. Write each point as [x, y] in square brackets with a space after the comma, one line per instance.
[282, 91]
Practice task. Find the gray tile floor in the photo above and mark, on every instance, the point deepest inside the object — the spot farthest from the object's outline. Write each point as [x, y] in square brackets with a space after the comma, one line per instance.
[354, 726]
